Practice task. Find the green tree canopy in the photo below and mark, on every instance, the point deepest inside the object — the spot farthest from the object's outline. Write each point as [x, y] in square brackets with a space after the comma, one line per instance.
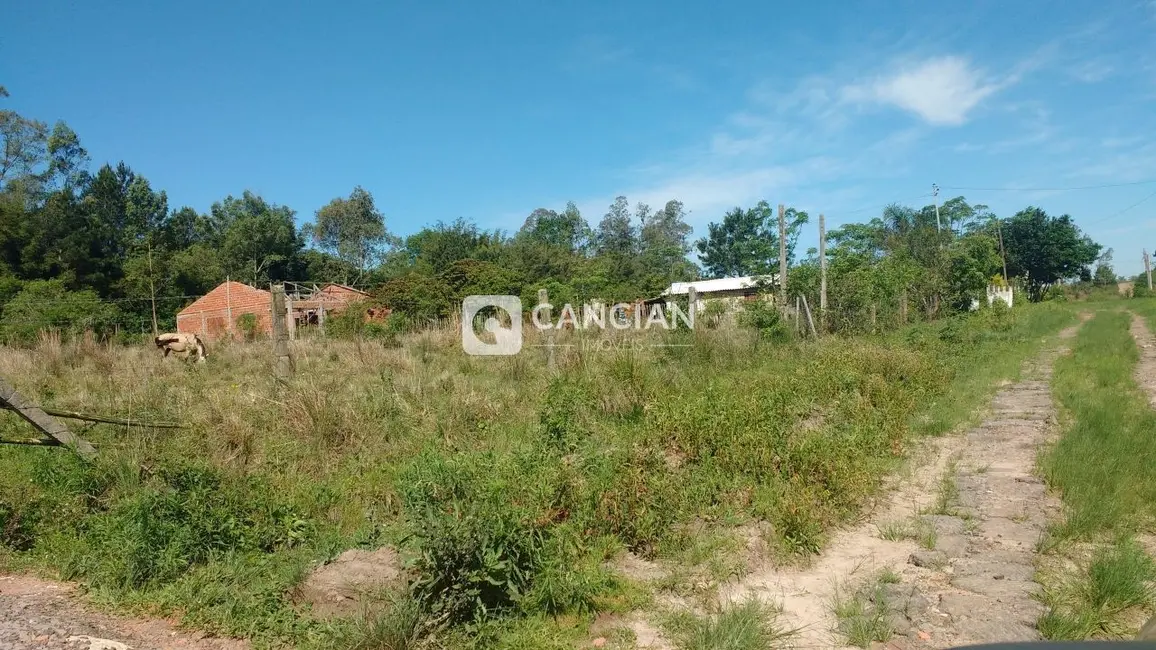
[1044, 250]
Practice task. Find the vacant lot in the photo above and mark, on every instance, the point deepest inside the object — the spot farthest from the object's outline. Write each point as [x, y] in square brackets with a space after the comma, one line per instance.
[525, 504]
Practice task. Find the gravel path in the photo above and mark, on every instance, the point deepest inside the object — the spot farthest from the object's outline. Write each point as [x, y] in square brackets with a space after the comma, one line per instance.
[37, 613]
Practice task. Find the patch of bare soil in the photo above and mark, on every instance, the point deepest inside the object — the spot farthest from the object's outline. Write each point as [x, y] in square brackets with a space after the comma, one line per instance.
[36, 613]
[970, 581]
[1146, 368]
[350, 582]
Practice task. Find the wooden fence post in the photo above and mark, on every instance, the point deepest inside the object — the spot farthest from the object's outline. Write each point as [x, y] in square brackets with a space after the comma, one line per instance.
[289, 320]
[822, 272]
[284, 362]
[691, 304]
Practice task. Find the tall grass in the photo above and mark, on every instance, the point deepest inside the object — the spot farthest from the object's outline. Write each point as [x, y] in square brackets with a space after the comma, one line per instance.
[1104, 467]
[506, 485]
[1105, 463]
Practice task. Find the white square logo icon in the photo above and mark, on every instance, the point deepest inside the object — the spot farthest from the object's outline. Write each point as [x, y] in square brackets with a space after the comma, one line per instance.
[509, 339]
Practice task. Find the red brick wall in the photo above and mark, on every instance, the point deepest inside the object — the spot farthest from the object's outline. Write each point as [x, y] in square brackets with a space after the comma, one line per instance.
[209, 315]
[345, 294]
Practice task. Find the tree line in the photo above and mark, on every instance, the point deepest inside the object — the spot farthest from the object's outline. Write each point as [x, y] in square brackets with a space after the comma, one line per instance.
[96, 249]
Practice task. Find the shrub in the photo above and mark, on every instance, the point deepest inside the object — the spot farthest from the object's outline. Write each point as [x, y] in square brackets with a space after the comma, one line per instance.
[418, 297]
[180, 518]
[247, 323]
[765, 318]
[479, 531]
[713, 313]
[47, 304]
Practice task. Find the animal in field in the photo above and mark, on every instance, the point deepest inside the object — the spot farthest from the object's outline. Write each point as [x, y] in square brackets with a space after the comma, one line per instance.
[182, 345]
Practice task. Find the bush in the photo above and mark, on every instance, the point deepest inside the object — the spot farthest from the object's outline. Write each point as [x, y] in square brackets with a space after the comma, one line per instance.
[479, 532]
[765, 318]
[418, 297]
[47, 304]
[180, 518]
[713, 313]
[247, 323]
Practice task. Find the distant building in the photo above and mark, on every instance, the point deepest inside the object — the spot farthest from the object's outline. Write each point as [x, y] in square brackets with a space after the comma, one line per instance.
[311, 304]
[214, 315]
[733, 290]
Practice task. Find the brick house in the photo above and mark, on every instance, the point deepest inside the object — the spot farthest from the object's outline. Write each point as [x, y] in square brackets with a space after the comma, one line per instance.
[214, 315]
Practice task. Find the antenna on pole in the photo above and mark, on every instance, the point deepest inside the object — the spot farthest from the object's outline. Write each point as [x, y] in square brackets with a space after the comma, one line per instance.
[935, 194]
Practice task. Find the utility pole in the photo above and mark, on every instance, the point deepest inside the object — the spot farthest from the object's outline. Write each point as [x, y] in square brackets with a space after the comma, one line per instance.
[935, 194]
[1148, 268]
[782, 256]
[822, 272]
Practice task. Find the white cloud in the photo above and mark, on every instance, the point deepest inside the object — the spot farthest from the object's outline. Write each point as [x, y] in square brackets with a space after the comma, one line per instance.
[942, 91]
[1091, 71]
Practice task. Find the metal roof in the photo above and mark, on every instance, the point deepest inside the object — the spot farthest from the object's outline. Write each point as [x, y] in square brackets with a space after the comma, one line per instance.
[721, 284]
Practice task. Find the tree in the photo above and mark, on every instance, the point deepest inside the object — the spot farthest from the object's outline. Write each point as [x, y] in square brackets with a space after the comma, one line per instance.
[23, 145]
[972, 261]
[1105, 275]
[1045, 250]
[433, 250]
[616, 236]
[566, 231]
[746, 242]
[664, 247]
[258, 240]
[352, 229]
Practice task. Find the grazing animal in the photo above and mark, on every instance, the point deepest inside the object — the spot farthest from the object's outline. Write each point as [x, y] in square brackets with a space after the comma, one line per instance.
[183, 345]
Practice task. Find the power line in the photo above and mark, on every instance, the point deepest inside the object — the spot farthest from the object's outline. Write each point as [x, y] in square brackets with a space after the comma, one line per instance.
[1049, 189]
[1120, 212]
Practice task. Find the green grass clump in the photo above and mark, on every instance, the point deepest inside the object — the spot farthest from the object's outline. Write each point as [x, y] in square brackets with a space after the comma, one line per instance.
[863, 612]
[1097, 600]
[749, 625]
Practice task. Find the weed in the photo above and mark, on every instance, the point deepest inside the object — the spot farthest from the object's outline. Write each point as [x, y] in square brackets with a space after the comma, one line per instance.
[863, 612]
[1095, 601]
[749, 625]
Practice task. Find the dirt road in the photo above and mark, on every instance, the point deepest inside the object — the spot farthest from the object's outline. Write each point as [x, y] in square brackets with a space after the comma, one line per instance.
[37, 613]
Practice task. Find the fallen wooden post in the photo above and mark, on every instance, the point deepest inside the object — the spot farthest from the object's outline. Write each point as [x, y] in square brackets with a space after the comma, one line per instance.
[75, 415]
[47, 424]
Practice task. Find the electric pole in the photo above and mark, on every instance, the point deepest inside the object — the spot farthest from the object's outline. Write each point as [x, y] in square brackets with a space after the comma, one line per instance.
[935, 194]
[782, 256]
[1148, 268]
[822, 271]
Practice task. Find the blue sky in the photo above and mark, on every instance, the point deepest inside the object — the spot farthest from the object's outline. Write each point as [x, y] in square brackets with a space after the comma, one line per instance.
[489, 110]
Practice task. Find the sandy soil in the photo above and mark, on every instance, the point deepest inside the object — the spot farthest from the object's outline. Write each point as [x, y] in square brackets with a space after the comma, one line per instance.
[36, 613]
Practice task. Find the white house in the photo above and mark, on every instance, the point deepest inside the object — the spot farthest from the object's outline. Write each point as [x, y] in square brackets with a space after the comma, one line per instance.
[733, 290]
